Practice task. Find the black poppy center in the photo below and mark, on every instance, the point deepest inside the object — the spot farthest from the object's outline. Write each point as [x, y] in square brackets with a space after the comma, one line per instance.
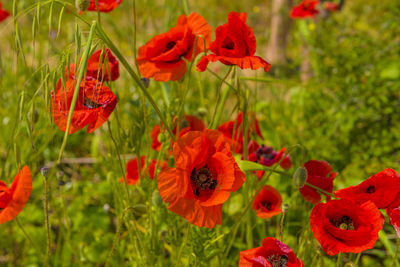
[228, 44]
[267, 205]
[184, 124]
[265, 152]
[278, 260]
[202, 179]
[344, 223]
[170, 45]
[90, 104]
[370, 189]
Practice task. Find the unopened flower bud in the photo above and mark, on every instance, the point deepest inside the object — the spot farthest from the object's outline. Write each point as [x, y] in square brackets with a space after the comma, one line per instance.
[82, 5]
[202, 111]
[285, 208]
[44, 171]
[349, 264]
[162, 138]
[139, 209]
[299, 177]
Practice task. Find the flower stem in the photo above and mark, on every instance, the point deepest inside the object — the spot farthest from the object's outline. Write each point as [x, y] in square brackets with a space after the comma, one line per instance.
[320, 190]
[339, 260]
[46, 219]
[28, 237]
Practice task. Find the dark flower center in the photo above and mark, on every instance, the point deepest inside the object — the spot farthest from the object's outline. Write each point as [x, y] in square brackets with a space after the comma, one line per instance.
[344, 223]
[278, 260]
[228, 44]
[90, 104]
[265, 152]
[170, 45]
[184, 124]
[202, 179]
[267, 205]
[370, 189]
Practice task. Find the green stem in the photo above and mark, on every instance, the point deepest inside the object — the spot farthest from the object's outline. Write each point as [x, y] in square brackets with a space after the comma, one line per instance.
[395, 262]
[320, 190]
[28, 237]
[357, 259]
[46, 218]
[339, 260]
[183, 244]
[222, 102]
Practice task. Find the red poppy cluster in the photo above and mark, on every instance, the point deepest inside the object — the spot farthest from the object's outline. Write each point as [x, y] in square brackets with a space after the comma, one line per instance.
[352, 222]
[162, 58]
[308, 8]
[95, 101]
[272, 253]
[3, 13]
[14, 198]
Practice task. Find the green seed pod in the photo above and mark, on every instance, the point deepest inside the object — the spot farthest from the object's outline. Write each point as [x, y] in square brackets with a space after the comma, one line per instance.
[202, 111]
[349, 264]
[82, 5]
[162, 138]
[156, 198]
[139, 209]
[299, 177]
[285, 208]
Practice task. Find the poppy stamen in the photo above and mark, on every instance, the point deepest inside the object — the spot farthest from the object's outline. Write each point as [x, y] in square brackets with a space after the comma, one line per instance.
[170, 45]
[90, 104]
[278, 260]
[202, 179]
[228, 44]
[370, 189]
[344, 223]
[267, 205]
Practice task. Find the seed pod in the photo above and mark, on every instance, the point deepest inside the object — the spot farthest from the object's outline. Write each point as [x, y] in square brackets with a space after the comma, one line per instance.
[139, 209]
[299, 177]
[82, 5]
[202, 111]
[285, 208]
[162, 138]
[44, 171]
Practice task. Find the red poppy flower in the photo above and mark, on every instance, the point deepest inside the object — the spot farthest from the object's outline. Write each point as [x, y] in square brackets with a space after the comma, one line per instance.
[267, 202]
[3, 13]
[307, 8]
[235, 44]
[93, 107]
[394, 218]
[132, 173]
[104, 5]
[189, 123]
[318, 174]
[344, 226]
[267, 156]
[233, 131]
[331, 6]
[381, 188]
[14, 198]
[161, 57]
[272, 253]
[93, 70]
[205, 175]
